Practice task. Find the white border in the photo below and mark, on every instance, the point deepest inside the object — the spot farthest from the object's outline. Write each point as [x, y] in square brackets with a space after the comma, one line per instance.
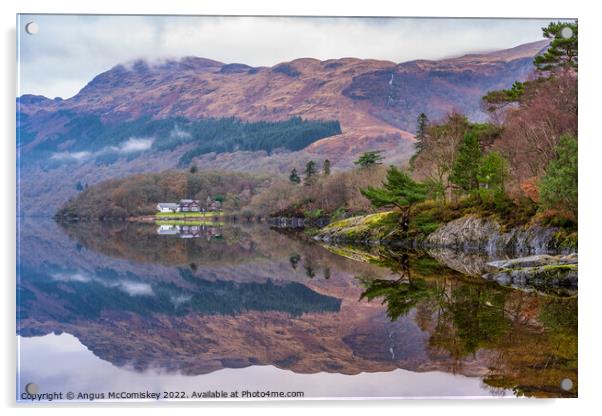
[589, 166]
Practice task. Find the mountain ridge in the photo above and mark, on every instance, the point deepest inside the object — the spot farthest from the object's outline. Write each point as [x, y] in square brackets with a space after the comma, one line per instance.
[376, 103]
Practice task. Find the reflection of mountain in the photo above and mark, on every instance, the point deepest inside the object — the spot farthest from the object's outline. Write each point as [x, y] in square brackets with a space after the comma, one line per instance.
[304, 318]
[85, 296]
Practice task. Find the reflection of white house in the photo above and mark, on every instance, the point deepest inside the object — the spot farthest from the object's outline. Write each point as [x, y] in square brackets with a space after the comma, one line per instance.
[167, 207]
[185, 205]
[189, 231]
[168, 230]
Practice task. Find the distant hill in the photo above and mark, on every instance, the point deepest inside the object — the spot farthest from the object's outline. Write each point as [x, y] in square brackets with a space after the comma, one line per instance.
[374, 102]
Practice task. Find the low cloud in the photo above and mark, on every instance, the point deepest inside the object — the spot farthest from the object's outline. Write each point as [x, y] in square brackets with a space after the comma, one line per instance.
[130, 287]
[72, 156]
[180, 300]
[134, 288]
[134, 145]
[71, 277]
[178, 133]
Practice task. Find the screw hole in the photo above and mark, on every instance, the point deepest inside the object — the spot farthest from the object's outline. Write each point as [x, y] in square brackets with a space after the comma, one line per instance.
[32, 28]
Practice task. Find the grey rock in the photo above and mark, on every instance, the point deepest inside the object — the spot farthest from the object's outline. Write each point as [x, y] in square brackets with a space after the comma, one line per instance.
[534, 261]
[549, 277]
[472, 233]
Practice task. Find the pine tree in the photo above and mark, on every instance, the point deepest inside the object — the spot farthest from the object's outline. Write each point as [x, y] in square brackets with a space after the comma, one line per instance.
[326, 167]
[492, 171]
[193, 169]
[422, 122]
[398, 190]
[369, 159]
[465, 168]
[310, 172]
[294, 260]
[492, 174]
[562, 52]
[79, 187]
[558, 188]
[294, 176]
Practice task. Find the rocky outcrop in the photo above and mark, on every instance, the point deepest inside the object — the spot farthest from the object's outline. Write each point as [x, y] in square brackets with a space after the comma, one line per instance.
[473, 233]
[368, 229]
[468, 234]
[472, 263]
[477, 246]
[297, 222]
[542, 273]
[534, 261]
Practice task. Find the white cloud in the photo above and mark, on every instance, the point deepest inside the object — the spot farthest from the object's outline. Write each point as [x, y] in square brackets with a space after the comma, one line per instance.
[70, 50]
[135, 288]
[72, 156]
[71, 277]
[180, 300]
[179, 133]
[127, 286]
[133, 145]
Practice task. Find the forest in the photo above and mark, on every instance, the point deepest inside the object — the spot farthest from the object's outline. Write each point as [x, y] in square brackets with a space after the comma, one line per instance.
[104, 140]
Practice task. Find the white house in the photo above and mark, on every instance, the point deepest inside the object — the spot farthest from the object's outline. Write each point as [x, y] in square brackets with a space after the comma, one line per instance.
[189, 205]
[168, 207]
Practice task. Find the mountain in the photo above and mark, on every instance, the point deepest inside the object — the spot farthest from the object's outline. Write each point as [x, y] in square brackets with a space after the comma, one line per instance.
[120, 122]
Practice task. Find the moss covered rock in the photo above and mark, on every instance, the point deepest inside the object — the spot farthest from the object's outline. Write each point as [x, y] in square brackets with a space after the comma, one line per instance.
[368, 229]
[556, 274]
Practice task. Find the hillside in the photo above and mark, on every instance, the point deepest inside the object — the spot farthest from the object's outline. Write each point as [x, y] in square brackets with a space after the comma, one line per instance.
[375, 103]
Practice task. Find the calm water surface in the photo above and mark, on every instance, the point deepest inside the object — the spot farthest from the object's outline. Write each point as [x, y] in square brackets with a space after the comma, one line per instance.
[122, 307]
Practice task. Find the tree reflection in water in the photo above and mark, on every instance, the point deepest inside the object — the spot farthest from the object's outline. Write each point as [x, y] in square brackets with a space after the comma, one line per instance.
[400, 295]
[528, 341]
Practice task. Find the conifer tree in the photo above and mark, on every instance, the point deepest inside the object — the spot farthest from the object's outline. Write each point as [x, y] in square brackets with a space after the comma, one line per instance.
[398, 190]
[562, 52]
[368, 159]
[559, 186]
[465, 168]
[326, 167]
[422, 122]
[310, 172]
[294, 176]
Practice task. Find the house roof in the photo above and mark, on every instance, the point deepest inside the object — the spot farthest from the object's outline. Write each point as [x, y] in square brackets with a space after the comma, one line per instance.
[167, 205]
[188, 201]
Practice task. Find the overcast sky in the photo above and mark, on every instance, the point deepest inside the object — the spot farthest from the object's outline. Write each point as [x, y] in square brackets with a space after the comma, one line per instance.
[68, 51]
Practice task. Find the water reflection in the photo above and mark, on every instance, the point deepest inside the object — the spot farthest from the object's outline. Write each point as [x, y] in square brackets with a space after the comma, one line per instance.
[144, 301]
[530, 341]
[207, 230]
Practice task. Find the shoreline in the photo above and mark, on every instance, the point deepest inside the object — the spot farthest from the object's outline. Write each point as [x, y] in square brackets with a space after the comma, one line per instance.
[152, 219]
